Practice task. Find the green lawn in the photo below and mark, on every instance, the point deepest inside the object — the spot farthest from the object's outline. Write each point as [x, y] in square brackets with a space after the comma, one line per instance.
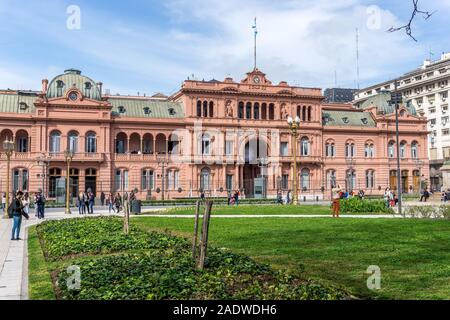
[257, 210]
[413, 255]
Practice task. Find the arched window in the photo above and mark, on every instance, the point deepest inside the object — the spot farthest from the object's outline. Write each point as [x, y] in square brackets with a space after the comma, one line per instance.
[256, 111]
[350, 151]
[331, 179]
[369, 150]
[121, 143]
[199, 108]
[241, 110]
[211, 109]
[121, 180]
[309, 113]
[414, 150]
[91, 142]
[55, 141]
[370, 179]
[248, 110]
[72, 142]
[403, 149]
[305, 179]
[304, 147]
[264, 111]
[205, 109]
[59, 88]
[350, 180]
[147, 179]
[304, 113]
[271, 111]
[205, 176]
[299, 113]
[330, 149]
[391, 149]
[20, 180]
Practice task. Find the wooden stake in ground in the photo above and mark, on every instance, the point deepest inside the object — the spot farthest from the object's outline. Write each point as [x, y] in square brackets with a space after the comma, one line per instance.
[205, 232]
[126, 209]
[194, 240]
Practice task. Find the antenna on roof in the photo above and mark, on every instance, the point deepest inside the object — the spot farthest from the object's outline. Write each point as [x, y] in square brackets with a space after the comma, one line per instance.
[357, 58]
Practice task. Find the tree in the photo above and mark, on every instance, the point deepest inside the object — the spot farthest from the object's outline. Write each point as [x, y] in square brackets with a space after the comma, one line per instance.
[408, 27]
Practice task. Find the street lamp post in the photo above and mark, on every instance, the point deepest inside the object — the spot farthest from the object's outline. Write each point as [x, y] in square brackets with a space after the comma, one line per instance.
[162, 161]
[8, 146]
[294, 124]
[44, 161]
[396, 99]
[68, 154]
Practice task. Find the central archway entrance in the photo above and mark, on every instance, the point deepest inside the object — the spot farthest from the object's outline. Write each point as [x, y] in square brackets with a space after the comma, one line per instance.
[254, 173]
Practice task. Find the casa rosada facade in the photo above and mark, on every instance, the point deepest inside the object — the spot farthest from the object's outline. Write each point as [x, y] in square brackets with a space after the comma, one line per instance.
[216, 136]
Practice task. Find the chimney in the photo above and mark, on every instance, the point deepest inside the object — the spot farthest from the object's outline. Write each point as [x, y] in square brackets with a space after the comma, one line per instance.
[100, 86]
[44, 86]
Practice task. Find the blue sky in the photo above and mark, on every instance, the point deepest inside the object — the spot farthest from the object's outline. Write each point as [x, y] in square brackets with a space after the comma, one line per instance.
[152, 46]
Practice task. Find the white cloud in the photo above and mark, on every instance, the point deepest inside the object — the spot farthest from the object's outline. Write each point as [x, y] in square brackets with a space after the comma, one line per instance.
[300, 41]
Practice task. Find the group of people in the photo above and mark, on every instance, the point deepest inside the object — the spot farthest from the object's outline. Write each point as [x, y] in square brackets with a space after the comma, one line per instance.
[85, 202]
[233, 198]
[286, 200]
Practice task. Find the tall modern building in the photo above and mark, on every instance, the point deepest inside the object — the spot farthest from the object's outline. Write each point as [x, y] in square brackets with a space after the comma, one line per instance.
[425, 88]
[339, 95]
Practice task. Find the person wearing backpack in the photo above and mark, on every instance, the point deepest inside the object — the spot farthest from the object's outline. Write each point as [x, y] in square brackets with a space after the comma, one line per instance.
[39, 201]
[16, 210]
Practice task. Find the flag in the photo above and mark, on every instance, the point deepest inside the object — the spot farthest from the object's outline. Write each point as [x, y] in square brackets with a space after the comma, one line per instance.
[255, 28]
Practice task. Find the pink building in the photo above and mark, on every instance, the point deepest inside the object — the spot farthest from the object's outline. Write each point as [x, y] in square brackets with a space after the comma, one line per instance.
[210, 135]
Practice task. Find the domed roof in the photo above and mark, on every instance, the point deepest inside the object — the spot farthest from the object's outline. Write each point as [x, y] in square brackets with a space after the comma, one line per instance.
[382, 102]
[70, 78]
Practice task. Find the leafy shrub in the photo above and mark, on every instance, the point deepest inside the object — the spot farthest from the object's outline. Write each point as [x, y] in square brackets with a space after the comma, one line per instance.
[157, 266]
[355, 205]
[66, 237]
[428, 212]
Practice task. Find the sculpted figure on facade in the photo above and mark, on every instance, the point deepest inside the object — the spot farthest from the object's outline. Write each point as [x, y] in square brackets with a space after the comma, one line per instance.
[229, 109]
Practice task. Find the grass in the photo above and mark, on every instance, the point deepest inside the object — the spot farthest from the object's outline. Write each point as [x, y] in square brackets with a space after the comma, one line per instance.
[256, 210]
[40, 284]
[413, 254]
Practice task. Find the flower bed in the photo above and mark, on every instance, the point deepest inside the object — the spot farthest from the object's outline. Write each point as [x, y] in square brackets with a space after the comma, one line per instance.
[160, 266]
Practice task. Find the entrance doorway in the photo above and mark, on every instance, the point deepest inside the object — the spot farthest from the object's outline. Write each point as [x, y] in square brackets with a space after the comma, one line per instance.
[91, 180]
[255, 185]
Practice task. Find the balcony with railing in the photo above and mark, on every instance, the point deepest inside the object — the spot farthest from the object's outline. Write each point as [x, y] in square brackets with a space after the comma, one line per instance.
[78, 156]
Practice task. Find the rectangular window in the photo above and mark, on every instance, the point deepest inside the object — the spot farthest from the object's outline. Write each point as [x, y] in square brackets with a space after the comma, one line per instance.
[117, 179]
[285, 182]
[284, 149]
[432, 110]
[125, 180]
[229, 182]
[445, 132]
[229, 147]
[176, 179]
[170, 179]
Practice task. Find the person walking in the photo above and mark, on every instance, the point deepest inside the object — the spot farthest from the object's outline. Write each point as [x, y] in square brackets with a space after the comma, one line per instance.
[118, 202]
[17, 213]
[336, 193]
[102, 198]
[81, 201]
[91, 202]
[39, 201]
[288, 197]
[236, 197]
[3, 201]
[387, 197]
[26, 203]
[86, 201]
[110, 201]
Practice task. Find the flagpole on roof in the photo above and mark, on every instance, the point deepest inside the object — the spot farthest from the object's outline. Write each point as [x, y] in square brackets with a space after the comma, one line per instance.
[255, 33]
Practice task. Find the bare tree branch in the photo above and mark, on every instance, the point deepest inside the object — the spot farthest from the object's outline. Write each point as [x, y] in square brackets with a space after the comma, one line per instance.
[408, 27]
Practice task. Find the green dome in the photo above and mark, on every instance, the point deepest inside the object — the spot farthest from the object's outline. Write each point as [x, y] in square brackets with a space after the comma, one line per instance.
[382, 102]
[72, 77]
